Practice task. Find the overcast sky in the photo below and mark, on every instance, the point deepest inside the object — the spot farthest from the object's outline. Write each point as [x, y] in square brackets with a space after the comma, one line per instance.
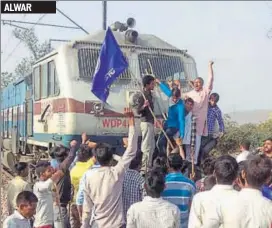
[233, 34]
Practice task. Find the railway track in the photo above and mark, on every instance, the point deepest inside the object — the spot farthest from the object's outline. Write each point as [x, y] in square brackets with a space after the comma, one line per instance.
[6, 177]
[7, 173]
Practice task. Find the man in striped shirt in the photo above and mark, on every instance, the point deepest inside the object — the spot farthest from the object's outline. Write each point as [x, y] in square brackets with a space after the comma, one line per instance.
[179, 190]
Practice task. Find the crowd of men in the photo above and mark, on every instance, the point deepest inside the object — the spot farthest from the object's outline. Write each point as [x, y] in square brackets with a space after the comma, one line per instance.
[88, 186]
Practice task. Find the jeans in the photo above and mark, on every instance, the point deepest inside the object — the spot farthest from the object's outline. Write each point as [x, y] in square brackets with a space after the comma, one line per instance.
[162, 142]
[61, 217]
[207, 145]
[74, 217]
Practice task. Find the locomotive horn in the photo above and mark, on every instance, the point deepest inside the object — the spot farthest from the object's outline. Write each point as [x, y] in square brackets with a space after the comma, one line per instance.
[131, 22]
[116, 26]
[131, 35]
[123, 28]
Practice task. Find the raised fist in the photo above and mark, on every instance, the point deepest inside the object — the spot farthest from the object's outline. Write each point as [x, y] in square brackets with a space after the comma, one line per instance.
[73, 143]
[128, 112]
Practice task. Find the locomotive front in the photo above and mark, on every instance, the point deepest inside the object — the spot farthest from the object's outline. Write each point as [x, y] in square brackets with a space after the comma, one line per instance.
[146, 54]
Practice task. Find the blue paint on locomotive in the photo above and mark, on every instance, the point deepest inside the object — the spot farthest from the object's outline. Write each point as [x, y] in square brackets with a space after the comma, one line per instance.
[12, 98]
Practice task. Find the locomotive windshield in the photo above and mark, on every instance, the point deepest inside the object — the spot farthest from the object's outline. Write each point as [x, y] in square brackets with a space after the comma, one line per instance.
[165, 67]
[87, 59]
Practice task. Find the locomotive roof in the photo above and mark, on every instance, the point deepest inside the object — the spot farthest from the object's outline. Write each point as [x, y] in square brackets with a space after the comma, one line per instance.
[143, 40]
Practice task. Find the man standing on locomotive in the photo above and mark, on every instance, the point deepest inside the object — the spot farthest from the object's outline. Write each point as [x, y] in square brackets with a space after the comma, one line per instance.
[144, 108]
[175, 123]
[200, 95]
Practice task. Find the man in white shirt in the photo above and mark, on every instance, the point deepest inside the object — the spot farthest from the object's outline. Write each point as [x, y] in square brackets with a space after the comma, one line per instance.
[26, 203]
[212, 209]
[153, 211]
[103, 205]
[44, 190]
[244, 148]
[252, 209]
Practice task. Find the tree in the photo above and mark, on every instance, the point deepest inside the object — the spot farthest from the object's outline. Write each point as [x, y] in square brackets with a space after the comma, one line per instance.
[29, 38]
[37, 51]
[24, 67]
[6, 78]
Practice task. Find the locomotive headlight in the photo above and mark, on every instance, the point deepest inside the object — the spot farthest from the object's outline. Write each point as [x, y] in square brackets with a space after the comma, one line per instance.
[98, 107]
[133, 98]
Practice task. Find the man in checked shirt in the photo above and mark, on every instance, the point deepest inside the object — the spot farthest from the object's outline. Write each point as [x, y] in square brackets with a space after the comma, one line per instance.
[214, 114]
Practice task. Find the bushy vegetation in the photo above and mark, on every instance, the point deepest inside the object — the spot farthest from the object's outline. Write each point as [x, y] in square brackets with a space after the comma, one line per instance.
[235, 133]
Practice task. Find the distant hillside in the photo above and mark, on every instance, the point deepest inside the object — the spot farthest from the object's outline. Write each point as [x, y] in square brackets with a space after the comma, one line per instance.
[256, 116]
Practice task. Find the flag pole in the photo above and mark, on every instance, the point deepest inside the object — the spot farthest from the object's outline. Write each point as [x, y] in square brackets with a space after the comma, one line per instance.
[163, 114]
[152, 74]
[161, 128]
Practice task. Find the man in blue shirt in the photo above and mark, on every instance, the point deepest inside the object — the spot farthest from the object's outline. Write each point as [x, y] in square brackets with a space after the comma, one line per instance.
[179, 190]
[176, 115]
[267, 191]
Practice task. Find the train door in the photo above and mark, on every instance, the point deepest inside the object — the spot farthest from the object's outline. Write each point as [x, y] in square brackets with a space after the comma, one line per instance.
[29, 113]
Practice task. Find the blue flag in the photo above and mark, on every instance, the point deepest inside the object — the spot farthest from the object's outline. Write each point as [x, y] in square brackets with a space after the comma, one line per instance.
[110, 65]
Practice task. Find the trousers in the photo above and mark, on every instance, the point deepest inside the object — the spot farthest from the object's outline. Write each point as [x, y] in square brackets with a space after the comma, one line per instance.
[162, 143]
[207, 145]
[148, 145]
[61, 218]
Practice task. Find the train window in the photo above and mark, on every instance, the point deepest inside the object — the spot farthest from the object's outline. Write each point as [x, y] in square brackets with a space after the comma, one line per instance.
[53, 83]
[56, 82]
[51, 71]
[44, 81]
[37, 83]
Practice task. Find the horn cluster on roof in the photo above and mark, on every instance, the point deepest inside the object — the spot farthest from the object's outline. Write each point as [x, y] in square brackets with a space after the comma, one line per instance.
[130, 34]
